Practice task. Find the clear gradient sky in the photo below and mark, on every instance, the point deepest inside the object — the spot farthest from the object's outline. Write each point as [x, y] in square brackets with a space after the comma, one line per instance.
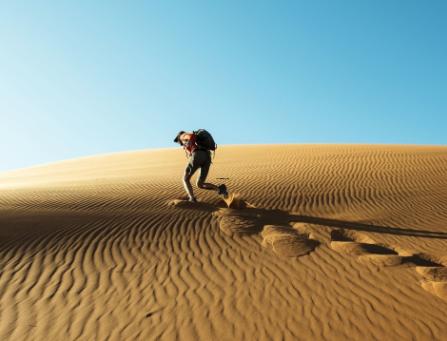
[79, 78]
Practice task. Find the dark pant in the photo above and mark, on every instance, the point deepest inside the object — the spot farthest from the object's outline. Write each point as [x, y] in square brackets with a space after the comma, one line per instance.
[199, 159]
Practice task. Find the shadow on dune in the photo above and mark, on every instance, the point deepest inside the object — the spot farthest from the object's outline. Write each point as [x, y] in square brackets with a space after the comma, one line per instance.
[262, 216]
[278, 217]
[368, 227]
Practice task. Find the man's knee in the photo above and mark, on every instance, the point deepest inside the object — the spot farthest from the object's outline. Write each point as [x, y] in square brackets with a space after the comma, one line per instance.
[186, 177]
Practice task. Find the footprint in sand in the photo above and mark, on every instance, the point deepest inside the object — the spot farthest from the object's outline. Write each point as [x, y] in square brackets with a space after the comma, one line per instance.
[239, 216]
[286, 241]
[434, 275]
[242, 218]
[363, 247]
[198, 205]
[235, 221]
[234, 200]
[283, 240]
[294, 241]
[182, 203]
[433, 272]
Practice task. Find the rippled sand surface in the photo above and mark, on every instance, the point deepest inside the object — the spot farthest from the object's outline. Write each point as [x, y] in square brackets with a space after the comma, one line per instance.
[319, 242]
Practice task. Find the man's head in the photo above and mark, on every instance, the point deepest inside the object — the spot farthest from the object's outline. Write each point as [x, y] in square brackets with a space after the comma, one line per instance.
[177, 138]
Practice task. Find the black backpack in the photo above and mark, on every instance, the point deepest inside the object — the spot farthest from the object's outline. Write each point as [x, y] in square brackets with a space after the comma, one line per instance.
[204, 140]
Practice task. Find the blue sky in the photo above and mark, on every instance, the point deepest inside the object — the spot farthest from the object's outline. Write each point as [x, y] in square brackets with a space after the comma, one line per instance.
[88, 77]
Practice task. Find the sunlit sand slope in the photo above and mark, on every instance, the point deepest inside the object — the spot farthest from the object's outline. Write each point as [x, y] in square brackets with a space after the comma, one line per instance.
[327, 242]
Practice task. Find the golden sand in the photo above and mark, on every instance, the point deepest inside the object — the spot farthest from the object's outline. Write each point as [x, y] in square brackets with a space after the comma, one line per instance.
[327, 242]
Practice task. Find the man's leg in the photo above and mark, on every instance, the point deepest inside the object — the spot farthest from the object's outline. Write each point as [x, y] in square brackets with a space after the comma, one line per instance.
[203, 174]
[221, 189]
[188, 187]
[189, 171]
[207, 185]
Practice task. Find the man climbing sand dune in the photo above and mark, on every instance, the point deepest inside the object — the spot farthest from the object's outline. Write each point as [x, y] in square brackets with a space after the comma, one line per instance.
[198, 146]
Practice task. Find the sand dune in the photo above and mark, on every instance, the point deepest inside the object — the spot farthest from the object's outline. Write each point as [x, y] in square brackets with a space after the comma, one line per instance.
[327, 242]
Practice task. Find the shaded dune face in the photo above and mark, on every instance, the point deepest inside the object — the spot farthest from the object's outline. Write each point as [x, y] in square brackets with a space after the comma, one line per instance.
[315, 242]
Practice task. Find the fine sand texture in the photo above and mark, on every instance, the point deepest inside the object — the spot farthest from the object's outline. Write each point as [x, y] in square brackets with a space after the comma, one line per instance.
[315, 242]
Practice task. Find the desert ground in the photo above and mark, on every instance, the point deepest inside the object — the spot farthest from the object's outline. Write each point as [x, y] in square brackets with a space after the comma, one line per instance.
[316, 242]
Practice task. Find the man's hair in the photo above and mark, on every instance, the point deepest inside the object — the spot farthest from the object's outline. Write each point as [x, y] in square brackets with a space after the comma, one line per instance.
[177, 138]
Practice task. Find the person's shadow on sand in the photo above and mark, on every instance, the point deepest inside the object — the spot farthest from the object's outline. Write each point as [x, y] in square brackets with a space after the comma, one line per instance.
[262, 216]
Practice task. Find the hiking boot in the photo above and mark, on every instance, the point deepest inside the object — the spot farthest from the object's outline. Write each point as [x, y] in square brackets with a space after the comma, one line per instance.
[223, 190]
